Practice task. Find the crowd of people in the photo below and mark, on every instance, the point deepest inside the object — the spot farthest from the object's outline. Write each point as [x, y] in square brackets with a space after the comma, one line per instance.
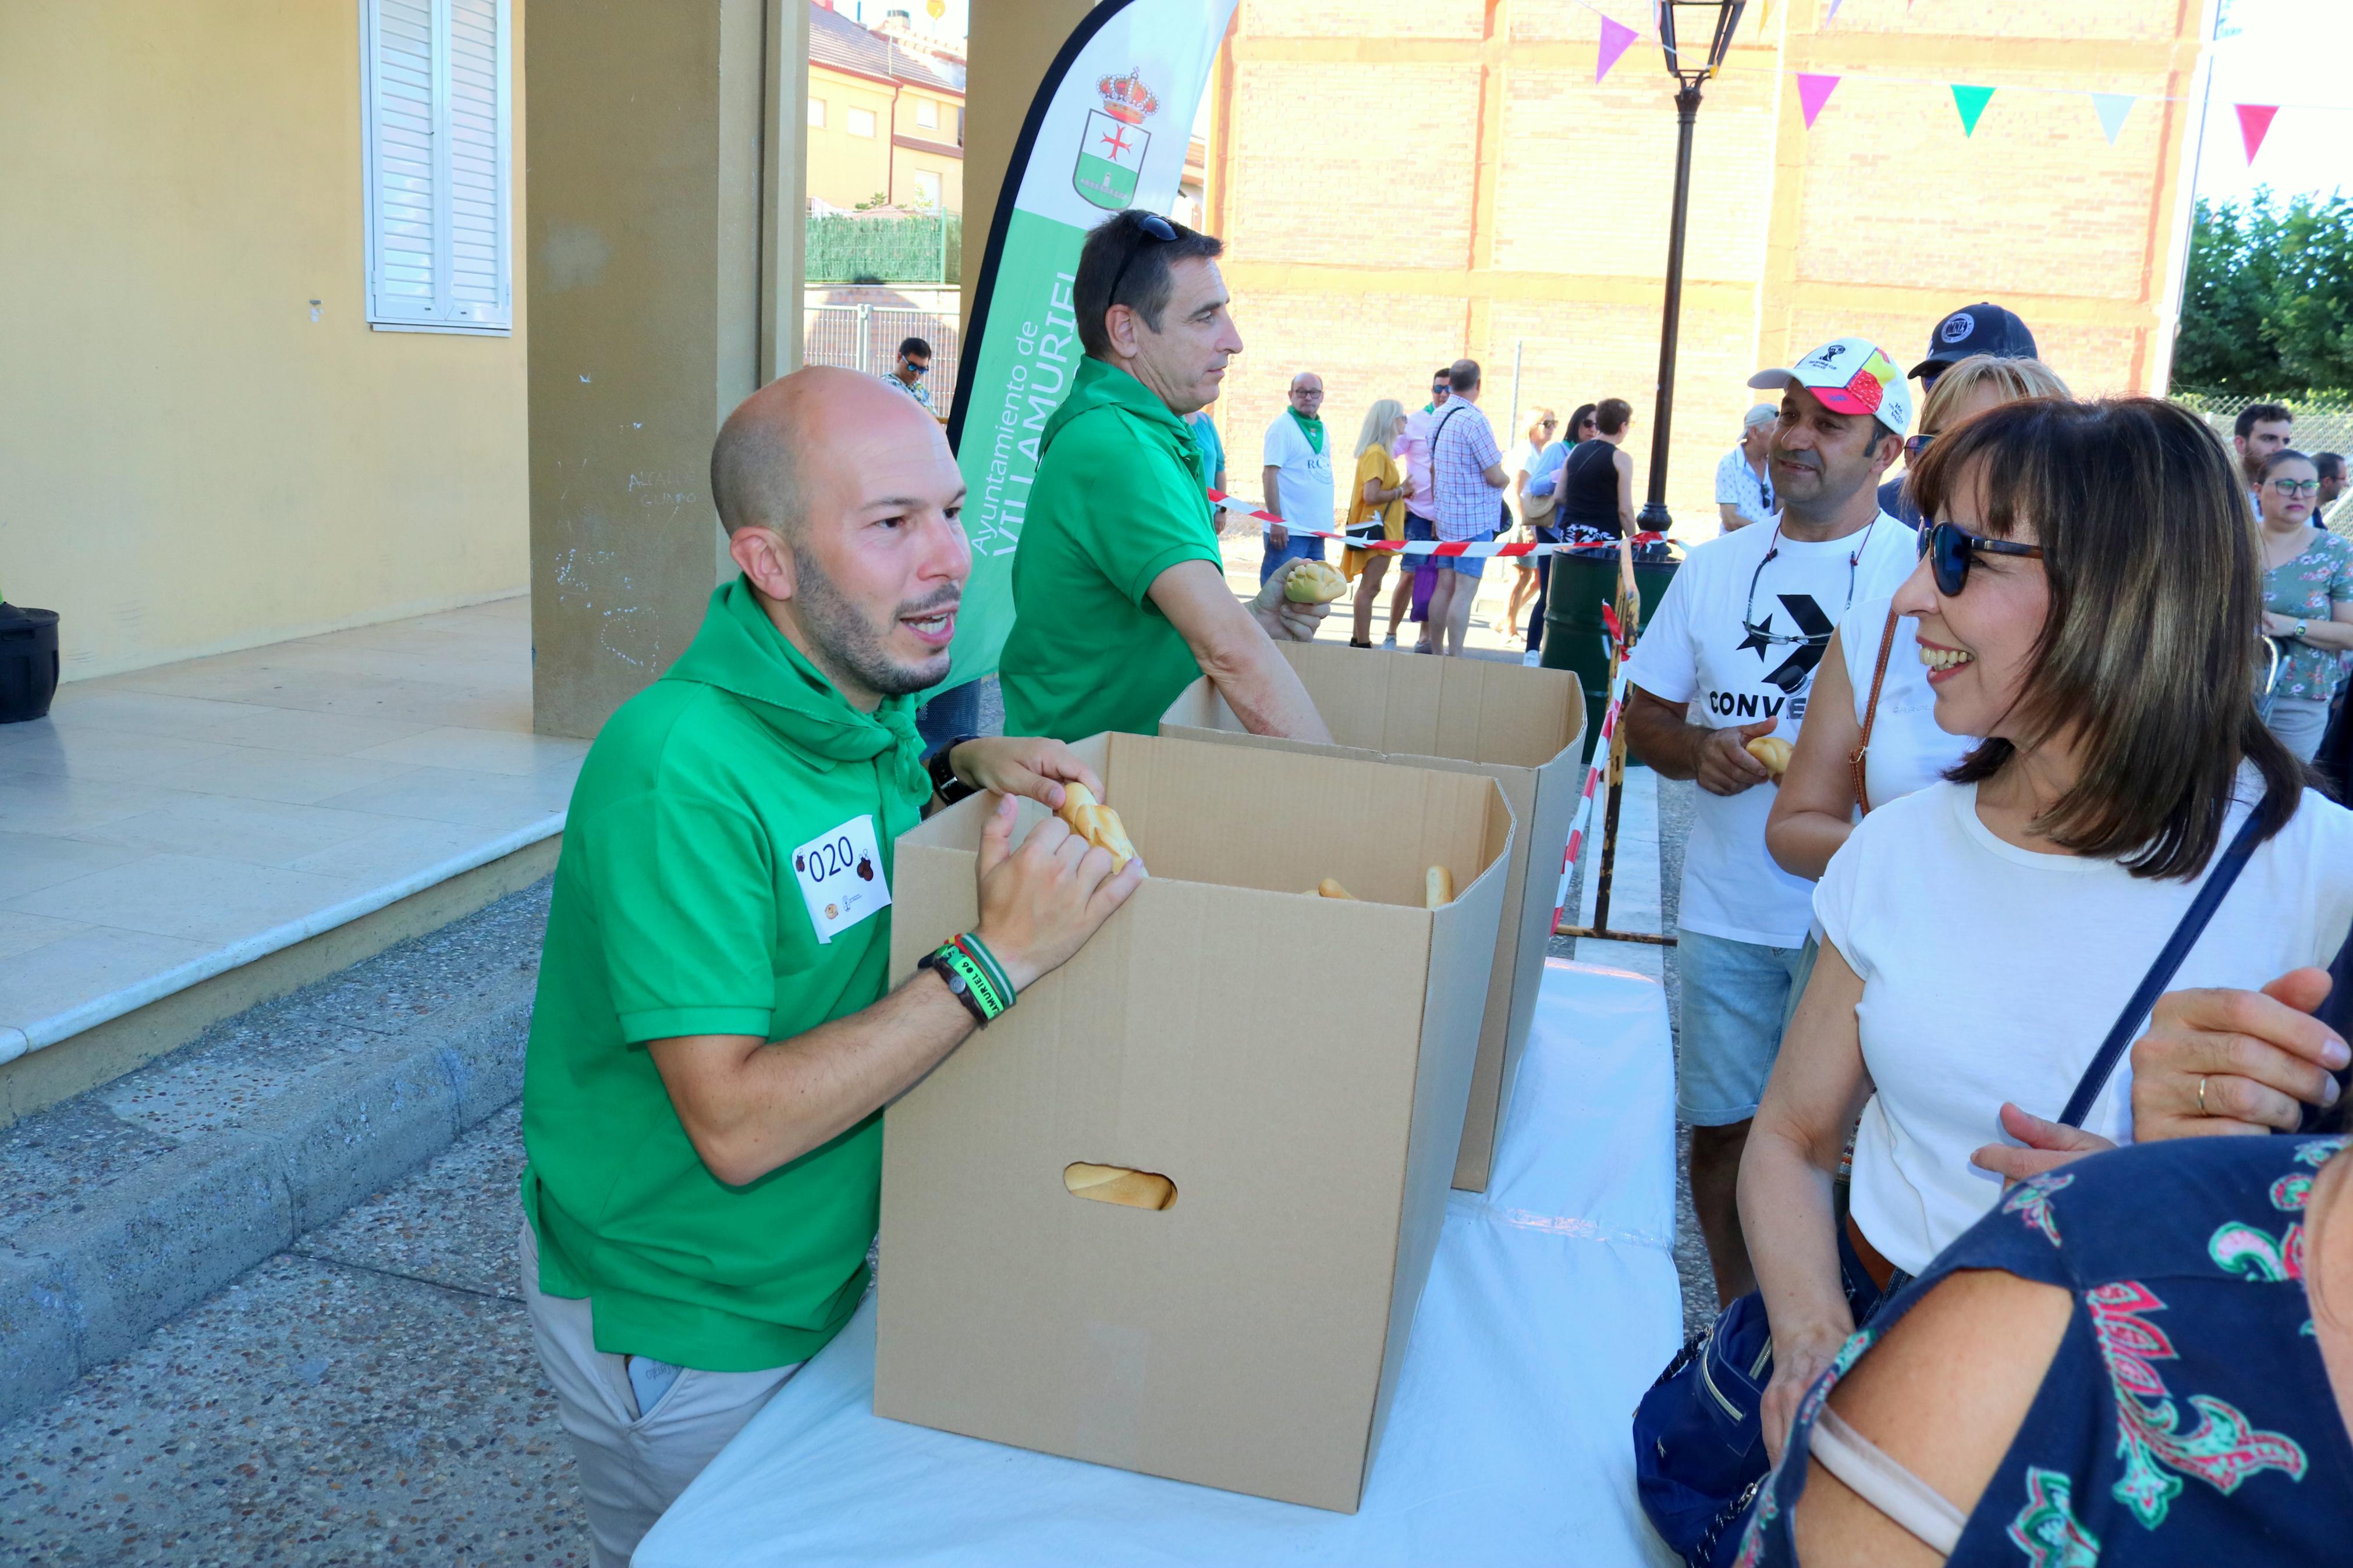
[2050, 693]
[2044, 745]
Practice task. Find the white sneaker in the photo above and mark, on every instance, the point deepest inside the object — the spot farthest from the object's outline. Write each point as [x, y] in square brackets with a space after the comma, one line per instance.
[1389, 641]
[1533, 660]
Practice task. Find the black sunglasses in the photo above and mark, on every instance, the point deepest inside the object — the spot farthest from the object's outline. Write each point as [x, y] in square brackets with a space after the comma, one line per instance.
[1156, 227]
[1949, 547]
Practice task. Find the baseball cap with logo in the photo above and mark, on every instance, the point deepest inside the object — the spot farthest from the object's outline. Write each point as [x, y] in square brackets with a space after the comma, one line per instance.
[1850, 376]
[1978, 329]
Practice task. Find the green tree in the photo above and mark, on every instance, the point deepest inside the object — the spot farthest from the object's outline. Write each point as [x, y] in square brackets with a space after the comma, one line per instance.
[2268, 308]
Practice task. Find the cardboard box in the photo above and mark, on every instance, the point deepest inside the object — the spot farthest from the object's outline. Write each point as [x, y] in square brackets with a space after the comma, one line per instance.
[1523, 728]
[1296, 1066]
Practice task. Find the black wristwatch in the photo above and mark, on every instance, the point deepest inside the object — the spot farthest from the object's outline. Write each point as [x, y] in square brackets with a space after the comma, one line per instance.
[956, 987]
[944, 782]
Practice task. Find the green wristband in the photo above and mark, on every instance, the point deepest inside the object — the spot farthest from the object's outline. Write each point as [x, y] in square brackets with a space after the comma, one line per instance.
[975, 979]
[978, 950]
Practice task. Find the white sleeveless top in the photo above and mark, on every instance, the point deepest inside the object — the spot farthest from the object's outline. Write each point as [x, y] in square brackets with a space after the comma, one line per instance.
[1908, 751]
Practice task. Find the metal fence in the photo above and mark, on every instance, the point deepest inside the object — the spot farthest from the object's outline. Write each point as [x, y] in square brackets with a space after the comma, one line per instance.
[842, 248]
[2322, 424]
[867, 338]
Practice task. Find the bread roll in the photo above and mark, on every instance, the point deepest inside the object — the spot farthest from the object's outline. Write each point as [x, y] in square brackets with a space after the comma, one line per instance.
[1096, 823]
[1773, 752]
[1118, 1185]
[1436, 887]
[1329, 889]
[1313, 583]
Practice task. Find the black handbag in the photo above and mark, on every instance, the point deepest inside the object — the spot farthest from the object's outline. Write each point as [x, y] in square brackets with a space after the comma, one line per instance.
[1699, 1450]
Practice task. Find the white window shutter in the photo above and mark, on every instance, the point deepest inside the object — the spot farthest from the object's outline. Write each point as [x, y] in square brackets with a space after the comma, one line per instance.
[437, 119]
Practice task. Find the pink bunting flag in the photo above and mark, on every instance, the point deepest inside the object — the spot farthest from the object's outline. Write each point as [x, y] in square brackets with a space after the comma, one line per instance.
[1813, 92]
[2254, 124]
[1614, 38]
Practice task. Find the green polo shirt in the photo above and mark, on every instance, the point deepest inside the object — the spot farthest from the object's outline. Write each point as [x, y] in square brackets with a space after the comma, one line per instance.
[1121, 496]
[677, 912]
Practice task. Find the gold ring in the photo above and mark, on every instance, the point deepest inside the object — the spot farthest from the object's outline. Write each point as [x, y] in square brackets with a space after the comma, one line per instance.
[2201, 1095]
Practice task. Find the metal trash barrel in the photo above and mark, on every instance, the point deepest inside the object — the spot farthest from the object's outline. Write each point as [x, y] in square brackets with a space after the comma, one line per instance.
[29, 662]
[1575, 636]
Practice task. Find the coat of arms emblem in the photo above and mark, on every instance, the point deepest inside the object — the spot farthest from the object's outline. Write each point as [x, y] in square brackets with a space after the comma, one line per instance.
[1111, 156]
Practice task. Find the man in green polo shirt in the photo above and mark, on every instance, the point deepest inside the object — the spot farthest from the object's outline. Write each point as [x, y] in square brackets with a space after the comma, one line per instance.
[713, 1040]
[1118, 594]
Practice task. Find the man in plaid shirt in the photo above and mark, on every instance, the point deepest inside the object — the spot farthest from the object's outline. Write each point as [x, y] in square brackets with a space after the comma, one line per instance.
[1466, 470]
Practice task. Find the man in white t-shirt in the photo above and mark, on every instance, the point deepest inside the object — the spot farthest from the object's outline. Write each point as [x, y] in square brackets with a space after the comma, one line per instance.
[1298, 476]
[1727, 657]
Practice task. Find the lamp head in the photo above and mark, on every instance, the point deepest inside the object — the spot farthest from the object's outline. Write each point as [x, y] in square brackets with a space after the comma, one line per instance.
[1703, 25]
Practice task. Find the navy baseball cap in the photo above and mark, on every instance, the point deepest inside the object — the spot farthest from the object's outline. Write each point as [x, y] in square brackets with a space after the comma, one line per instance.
[1979, 329]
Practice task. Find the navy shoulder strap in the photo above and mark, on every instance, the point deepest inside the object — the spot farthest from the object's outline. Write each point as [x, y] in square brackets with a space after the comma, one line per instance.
[2161, 974]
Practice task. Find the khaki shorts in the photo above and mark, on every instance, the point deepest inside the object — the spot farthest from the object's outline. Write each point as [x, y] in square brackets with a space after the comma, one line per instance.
[633, 1463]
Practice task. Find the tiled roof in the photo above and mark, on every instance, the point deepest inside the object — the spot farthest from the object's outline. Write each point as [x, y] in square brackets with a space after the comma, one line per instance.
[836, 40]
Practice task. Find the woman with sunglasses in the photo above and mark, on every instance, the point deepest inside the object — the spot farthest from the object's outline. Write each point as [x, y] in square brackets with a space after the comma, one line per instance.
[1871, 672]
[2087, 601]
[2307, 601]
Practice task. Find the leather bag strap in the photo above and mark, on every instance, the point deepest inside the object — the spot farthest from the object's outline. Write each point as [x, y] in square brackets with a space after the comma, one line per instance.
[1871, 714]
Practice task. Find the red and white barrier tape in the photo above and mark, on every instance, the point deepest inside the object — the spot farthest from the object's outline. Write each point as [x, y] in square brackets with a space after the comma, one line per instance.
[1480, 548]
[1593, 775]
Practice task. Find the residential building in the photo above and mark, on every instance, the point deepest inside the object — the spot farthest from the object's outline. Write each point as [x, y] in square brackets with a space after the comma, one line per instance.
[885, 119]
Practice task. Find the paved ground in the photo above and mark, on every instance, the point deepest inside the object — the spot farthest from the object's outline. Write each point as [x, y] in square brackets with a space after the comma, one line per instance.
[369, 1394]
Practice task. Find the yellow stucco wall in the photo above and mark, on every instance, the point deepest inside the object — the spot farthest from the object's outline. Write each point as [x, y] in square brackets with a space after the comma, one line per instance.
[193, 464]
[846, 169]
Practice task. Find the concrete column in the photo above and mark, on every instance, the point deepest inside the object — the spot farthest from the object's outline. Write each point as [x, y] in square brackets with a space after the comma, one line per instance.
[664, 267]
[1012, 44]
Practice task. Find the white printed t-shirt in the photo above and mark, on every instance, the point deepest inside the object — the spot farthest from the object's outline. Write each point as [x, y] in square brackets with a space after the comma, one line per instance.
[1306, 474]
[1694, 651]
[1992, 973]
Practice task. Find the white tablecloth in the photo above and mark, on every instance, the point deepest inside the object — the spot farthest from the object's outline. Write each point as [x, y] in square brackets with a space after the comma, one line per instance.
[1551, 1304]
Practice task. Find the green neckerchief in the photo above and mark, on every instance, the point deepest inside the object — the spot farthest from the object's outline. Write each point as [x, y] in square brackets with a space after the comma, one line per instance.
[1312, 428]
[739, 650]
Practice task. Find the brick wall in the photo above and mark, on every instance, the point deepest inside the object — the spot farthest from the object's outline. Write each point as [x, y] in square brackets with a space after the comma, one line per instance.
[1407, 183]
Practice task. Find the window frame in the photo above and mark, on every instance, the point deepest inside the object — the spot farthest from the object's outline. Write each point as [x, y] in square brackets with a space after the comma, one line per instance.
[850, 122]
[816, 113]
[927, 112]
[370, 31]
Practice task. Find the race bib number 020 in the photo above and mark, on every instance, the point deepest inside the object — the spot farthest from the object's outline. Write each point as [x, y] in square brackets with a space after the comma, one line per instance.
[841, 877]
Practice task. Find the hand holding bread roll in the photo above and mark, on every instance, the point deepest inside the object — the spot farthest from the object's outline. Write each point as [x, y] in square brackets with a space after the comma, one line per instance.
[1773, 752]
[1313, 582]
[1096, 823]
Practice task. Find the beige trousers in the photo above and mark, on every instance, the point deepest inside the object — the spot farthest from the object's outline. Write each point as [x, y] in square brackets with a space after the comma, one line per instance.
[633, 1463]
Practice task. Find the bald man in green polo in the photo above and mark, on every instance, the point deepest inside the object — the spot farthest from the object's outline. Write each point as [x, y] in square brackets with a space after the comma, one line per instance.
[1119, 594]
[715, 1034]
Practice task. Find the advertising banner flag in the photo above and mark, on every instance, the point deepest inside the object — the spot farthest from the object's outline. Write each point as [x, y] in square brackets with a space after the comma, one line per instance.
[1107, 132]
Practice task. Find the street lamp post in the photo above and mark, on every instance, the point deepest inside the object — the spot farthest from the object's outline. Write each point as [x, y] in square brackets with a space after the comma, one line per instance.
[1714, 19]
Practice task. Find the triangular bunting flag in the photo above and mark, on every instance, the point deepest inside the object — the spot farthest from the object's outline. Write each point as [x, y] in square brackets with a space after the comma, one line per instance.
[1615, 37]
[2111, 108]
[1833, 15]
[1764, 17]
[1972, 102]
[1813, 92]
[2254, 124]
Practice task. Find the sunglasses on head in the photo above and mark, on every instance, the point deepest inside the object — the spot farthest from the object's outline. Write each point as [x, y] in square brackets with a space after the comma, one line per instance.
[1947, 547]
[1155, 227]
